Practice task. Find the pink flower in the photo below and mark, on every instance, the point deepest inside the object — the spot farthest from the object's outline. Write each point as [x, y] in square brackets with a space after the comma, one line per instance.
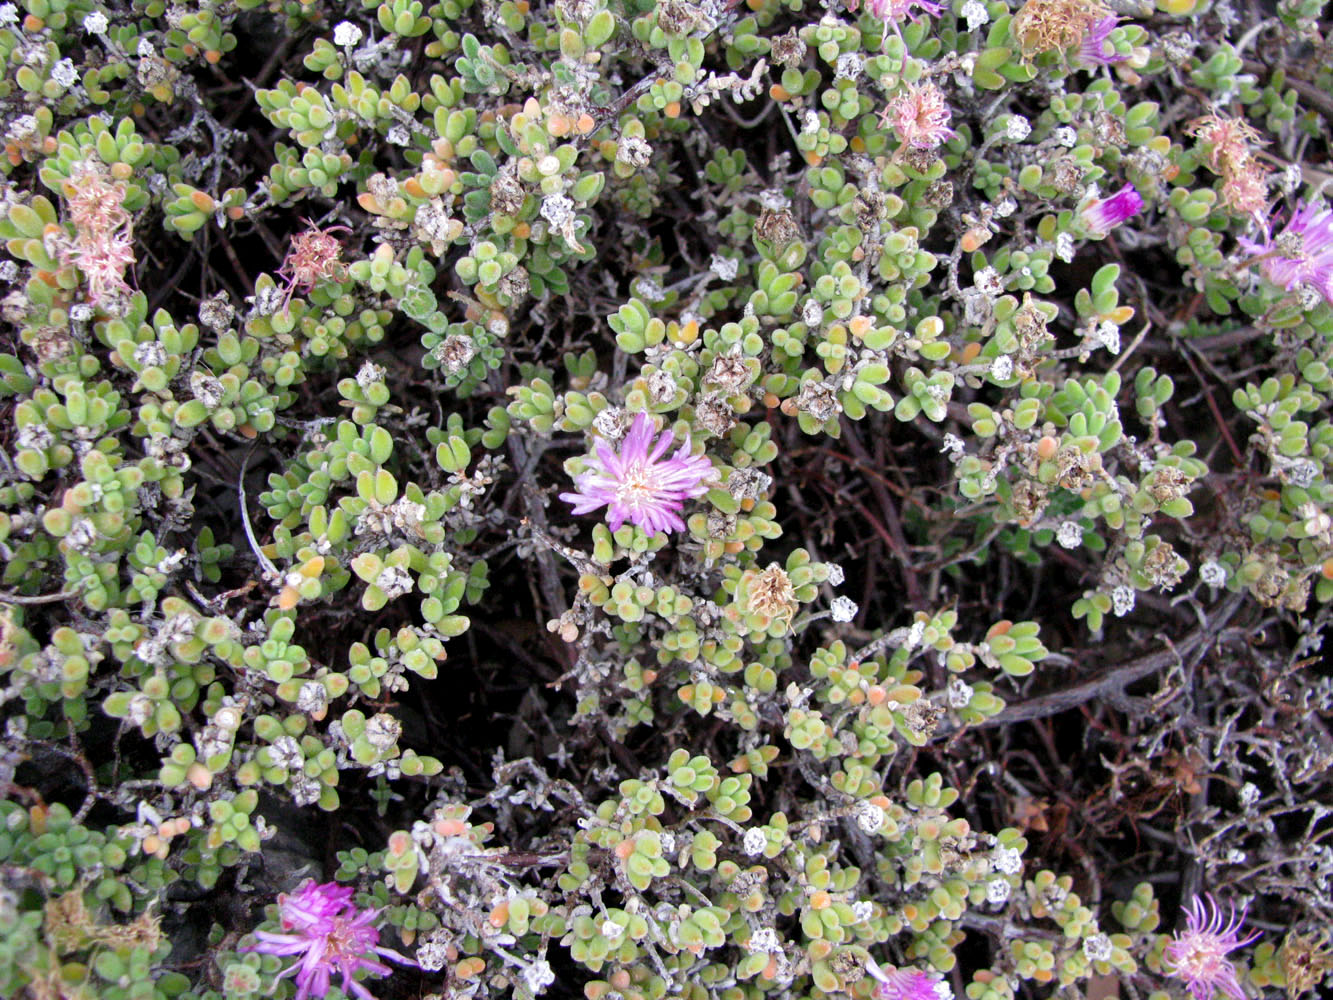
[314, 256]
[637, 485]
[331, 934]
[1301, 254]
[103, 258]
[1101, 215]
[1094, 50]
[908, 984]
[96, 204]
[920, 116]
[896, 10]
[103, 245]
[1198, 956]
[1244, 188]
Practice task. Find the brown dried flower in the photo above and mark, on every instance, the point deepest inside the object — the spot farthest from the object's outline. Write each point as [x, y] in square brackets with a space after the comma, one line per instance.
[1306, 961]
[1044, 25]
[777, 226]
[768, 594]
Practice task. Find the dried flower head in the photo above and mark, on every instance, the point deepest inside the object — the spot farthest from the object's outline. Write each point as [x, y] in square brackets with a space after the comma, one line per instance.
[1302, 254]
[1198, 955]
[1306, 961]
[1044, 25]
[768, 594]
[1245, 188]
[920, 116]
[103, 244]
[96, 203]
[331, 934]
[637, 484]
[789, 49]
[777, 226]
[1226, 140]
[315, 256]
[1227, 150]
[104, 261]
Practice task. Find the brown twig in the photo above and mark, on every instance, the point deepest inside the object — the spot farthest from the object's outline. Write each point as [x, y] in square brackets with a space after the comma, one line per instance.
[38, 598]
[1212, 406]
[75, 755]
[898, 543]
[1116, 680]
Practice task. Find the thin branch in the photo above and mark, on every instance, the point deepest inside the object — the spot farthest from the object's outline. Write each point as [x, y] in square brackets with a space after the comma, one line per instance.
[38, 598]
[1115, 681]
[270, 571]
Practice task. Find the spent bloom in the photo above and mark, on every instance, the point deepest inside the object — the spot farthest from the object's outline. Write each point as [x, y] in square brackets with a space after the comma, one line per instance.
[330, 934]
[1227, 149]
[908, 984]
[104, 261]
[1198, 955]
[1226, 141]
[1046, 25]
[1245, 188]
[315, 255]
[1301, 254]
[103, 244]
[1101, 215]
[1094, 49]
[920, 116]
[637, 484]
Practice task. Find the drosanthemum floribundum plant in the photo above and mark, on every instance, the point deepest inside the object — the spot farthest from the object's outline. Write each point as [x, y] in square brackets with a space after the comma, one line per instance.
[637, 484]
[1101, 215]
[1198, 955]
[331, 934]
[908, 984]
[1302, 254]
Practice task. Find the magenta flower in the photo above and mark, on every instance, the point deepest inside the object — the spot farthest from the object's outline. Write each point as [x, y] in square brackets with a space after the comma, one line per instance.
[331, 934]
[896, 10]
[1094, 51]
[1101, 215]
[1301, 254]
[638, 485]
[908, 984]
[1199, 954]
